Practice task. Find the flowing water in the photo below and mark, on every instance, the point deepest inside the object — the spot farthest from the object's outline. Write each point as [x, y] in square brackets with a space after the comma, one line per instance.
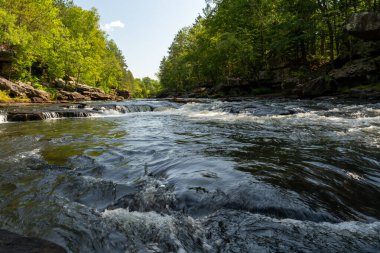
[211, 176]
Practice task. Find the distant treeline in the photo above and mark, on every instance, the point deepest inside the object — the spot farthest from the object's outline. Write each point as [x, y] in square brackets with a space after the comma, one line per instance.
[49, 39]
[237, 39]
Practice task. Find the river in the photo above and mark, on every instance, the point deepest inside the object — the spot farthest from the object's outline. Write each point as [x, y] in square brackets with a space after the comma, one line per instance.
[208, 176]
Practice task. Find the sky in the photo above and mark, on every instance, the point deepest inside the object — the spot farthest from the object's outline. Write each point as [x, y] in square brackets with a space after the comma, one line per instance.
[144, 29]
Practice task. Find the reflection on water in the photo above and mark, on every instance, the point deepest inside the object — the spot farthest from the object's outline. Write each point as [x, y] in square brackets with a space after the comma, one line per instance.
[288, 175]
[58, 140]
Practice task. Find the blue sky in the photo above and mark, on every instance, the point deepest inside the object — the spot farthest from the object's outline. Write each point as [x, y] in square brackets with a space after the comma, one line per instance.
[144, 29]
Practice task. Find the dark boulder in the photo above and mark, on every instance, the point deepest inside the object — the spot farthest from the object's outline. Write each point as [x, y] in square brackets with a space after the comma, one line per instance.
[122, 93]
[14, 243]
[24, 116]
[36, 116]
[361, 71]
[365, 26]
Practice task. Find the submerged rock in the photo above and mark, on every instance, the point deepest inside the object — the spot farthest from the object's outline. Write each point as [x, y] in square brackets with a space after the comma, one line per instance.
[24, 116]
[74, 111]
[14, 243]
[35, 116]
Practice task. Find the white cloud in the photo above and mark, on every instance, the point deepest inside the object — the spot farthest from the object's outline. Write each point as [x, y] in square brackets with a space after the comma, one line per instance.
[113, 25]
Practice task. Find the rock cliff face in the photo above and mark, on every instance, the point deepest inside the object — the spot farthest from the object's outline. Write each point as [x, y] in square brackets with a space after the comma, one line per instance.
[67, 92]
[365, 26]
[23, 90]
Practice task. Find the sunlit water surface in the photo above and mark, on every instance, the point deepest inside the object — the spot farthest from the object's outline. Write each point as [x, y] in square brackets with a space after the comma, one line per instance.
[251, 176]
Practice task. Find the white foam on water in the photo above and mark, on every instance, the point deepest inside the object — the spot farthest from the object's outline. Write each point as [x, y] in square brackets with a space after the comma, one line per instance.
[350, 226]
[355, 227]
[50, 115]
[112, 112]
[3, 118]
[35, 153]
[153, 228]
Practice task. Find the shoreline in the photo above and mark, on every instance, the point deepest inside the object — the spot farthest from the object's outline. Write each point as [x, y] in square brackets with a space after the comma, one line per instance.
[367, 96]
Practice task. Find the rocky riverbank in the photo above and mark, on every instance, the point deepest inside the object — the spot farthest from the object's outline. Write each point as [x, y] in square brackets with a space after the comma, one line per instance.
[355, 73]
[59, 91]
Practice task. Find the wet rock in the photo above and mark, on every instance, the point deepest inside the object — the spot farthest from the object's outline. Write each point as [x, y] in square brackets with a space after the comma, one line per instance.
[289, 112]
[365, 26]
[35, 116]
[24, 116]
[14, 243]
[23, 90]
[150, 194]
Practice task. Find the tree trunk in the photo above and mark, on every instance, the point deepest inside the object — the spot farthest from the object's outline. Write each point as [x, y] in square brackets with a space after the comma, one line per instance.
[331, 40]
[323, 44]
[78, 75]
[303, 51]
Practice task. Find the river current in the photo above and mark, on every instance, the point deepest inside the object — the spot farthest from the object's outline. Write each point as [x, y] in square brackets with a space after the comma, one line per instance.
[208, 176]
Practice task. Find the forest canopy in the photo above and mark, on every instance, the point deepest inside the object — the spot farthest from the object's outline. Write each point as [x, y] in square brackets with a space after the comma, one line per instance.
[50, 39]
[238, 39]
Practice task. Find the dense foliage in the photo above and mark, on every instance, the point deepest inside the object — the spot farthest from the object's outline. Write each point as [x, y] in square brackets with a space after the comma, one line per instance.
[146, 87]
[237, 39]
[52, 39]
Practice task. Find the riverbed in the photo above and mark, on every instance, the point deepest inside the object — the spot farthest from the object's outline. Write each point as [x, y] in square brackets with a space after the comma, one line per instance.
[208, 176]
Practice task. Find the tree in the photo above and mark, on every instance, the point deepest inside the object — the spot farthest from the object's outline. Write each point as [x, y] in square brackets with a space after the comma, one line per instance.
[55, 38]
[238, 39]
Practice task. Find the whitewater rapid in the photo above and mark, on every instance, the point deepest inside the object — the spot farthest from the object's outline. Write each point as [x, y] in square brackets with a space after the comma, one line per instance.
[209, 176]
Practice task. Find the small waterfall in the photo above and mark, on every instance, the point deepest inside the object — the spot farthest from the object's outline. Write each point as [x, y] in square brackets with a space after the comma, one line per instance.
[50, 115]
[83, 115]
[139, 108]
[3, 117]
[120, 109]
[75, 114]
